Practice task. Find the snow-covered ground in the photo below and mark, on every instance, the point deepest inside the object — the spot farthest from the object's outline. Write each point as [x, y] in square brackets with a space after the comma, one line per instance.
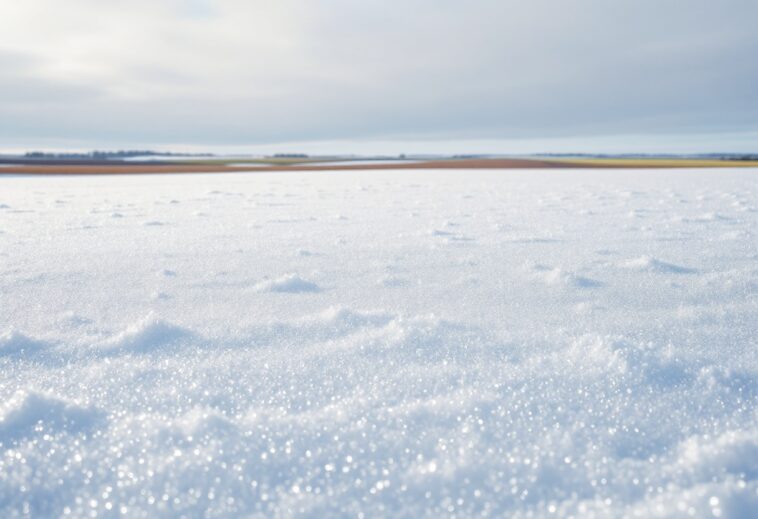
[363, 344]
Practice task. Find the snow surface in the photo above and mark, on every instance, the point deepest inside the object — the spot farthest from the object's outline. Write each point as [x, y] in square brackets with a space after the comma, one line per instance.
[403, 344]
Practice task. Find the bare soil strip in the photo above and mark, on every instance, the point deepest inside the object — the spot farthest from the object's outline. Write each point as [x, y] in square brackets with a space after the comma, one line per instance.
[507, 163]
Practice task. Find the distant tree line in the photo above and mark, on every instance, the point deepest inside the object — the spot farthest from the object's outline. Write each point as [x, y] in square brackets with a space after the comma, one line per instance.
[706, 156]
[108, 155]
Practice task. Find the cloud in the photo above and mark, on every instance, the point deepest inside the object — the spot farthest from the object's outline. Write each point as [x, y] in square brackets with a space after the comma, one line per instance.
[244, 71]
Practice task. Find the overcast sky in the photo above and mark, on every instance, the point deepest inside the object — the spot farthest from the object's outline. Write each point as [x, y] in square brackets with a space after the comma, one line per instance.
[380, 75]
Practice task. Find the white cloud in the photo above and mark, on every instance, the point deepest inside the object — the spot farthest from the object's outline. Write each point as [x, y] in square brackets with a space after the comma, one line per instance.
[231, 71]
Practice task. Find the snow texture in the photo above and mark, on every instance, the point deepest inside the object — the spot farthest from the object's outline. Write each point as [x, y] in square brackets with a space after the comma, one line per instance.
[451, 344]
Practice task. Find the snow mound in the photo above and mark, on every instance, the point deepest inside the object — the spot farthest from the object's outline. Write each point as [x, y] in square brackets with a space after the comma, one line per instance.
[591, 354]
[650, 264]
[331, 324]
[429, 338]
[72, 319]
[205, 422]
[710, 217]
[378, 337]
[559, 277]
[341, 318]
[289, 283]
[29, 413]
[15, 344]
[148, 335]
[734, 452]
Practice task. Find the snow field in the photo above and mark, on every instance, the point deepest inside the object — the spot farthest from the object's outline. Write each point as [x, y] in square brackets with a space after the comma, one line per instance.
[410, 344]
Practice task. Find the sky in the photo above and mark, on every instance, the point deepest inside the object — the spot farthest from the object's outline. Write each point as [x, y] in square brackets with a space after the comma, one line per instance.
[380, 76]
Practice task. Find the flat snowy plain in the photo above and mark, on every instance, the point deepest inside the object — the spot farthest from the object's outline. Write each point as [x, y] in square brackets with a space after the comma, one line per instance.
[406, 344]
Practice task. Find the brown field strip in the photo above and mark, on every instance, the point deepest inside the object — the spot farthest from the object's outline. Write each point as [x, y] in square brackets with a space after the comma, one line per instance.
[506, 163]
